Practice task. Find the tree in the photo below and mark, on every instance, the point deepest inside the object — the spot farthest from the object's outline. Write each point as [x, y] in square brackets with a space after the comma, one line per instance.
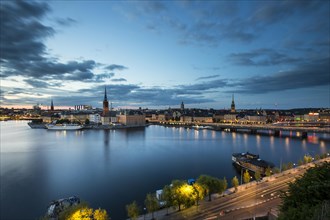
[307, 159]
[87, 121]
[290, 165]
[178, 197]
[133, 210]
[235, 182]
[257, 175]
[246, 176]
[268, 172]
[317, 157]
[151, 203]
[88, 213]
[199, 192]
[308, 196]
[300, 162]
[167, 197]
[212, 184]
[284, 167]
[276, 170]
[224, 184]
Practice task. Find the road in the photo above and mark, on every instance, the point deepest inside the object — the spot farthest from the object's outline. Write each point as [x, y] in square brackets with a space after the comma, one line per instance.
[250, 200]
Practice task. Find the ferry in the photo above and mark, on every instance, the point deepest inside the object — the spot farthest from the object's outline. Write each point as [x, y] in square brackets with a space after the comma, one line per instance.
[60, 127]
[251, 162]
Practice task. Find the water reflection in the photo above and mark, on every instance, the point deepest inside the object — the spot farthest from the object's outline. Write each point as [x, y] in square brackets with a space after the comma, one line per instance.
[99, 165]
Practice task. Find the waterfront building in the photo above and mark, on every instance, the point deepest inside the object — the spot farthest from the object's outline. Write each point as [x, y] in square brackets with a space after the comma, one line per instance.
[311, 117]
[95, 118]
[132, 118]
[186, 119]
[231, 117]
[76, 116]
[232, 107]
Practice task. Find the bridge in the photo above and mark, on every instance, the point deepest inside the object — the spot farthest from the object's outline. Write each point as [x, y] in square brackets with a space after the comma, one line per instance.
[275, 128]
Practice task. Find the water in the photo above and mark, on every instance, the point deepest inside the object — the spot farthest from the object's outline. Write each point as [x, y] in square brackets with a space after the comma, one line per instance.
[110, 169]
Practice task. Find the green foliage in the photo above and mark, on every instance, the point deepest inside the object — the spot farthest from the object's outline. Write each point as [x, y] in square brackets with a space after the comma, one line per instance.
[133, 210]
[276, 170]
[284, 167]
[235, 183]
[246, 176]
[307, 159]
[308, 195]
[212, 184]
[290, 165]
[268, 171]
[317, 157]
[224, 183]
[151, 203]
[87, 122]
[168, 196]
[300, 162]
[257, 175]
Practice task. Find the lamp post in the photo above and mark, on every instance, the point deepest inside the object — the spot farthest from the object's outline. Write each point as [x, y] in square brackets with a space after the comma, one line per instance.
[241, 175]
[144, 215]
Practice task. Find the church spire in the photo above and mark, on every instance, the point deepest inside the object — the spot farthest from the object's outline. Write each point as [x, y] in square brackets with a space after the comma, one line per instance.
[105, 94]
[105, 103]
[51, 105]
[232, 104]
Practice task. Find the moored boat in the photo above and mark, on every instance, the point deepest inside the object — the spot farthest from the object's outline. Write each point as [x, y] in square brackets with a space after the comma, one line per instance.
[63, 126]
[251, 162]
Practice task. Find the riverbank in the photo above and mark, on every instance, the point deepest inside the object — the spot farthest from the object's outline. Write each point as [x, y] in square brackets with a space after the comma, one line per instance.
[265, 206]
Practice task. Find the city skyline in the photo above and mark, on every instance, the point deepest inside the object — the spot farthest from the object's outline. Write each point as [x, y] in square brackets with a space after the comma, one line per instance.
[157, 53]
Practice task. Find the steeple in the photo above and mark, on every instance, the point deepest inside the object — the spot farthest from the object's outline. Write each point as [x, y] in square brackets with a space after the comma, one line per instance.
[51, 105]
[105, 103]
[232, 105]
[105, 94]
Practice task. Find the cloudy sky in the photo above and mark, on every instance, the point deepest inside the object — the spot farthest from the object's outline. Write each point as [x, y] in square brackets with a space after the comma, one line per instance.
[269, 54]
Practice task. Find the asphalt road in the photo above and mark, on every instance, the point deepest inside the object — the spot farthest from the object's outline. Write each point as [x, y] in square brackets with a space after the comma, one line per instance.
[250, 201]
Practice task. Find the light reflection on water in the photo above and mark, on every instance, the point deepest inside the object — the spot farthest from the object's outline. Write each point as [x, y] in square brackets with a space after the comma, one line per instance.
[103, 166]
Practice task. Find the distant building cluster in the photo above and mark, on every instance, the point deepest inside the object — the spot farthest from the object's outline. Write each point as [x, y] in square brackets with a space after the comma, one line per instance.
[107, 116]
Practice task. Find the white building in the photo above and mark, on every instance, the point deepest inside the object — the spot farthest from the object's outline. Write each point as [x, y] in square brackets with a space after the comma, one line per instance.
[95, 118]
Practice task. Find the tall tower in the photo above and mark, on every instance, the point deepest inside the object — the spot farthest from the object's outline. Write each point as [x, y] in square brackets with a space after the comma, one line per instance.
[51, 105]
[182, 106]
[232, 105]
[105, 103]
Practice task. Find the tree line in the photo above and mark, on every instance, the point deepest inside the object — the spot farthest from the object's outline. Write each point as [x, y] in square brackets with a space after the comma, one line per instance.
[180, 194]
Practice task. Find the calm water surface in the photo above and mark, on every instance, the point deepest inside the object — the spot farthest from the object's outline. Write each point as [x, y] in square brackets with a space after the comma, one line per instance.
[110, 169]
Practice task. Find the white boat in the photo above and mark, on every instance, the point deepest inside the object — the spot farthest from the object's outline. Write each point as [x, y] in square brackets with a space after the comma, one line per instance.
[63, 126]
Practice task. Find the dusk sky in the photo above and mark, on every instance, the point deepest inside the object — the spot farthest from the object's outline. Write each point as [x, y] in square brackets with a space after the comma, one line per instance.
[155, 54]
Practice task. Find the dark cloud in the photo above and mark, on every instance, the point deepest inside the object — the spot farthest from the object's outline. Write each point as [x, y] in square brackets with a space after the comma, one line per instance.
[119, 80]
[66, 21]
[37, 83]
[272, 12]
[23, 52]
[113, 67]
[204, 86]
[309, 75]
[261, 57]
[207, 77]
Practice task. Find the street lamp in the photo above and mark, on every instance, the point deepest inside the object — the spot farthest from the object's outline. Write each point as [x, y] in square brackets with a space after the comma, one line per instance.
[144, 215]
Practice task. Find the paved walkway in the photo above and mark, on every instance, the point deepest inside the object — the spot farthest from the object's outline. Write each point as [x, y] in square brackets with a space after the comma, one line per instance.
[162, 214]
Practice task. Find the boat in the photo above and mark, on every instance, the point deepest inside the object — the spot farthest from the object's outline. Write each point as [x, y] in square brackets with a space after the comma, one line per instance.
[63, 127]
[251, 162]
[37, 123]
[60, 205]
